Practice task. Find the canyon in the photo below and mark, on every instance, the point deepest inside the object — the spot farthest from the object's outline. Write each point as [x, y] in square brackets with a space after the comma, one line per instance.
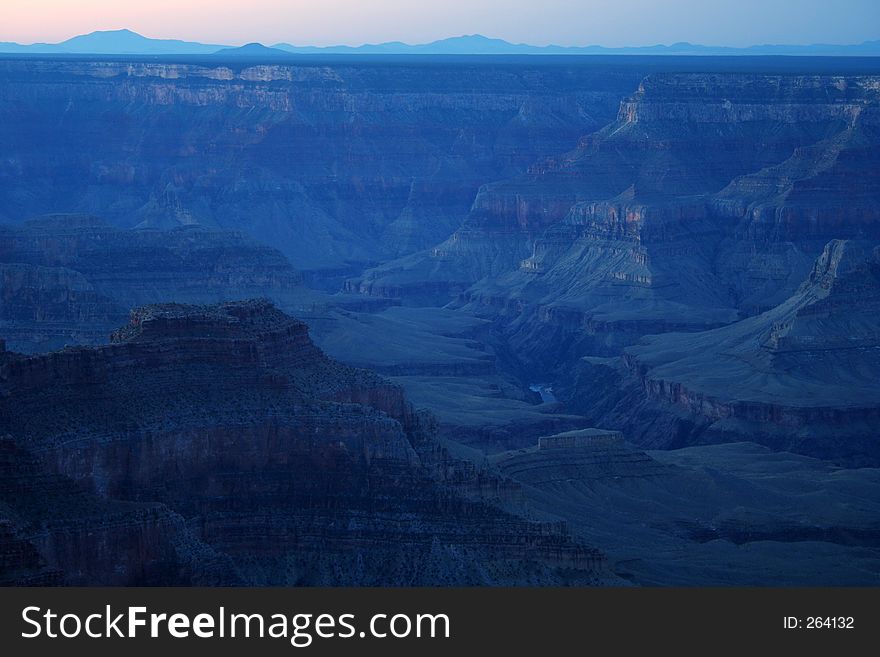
[71, 279]
[218, 445]
[586, 320]
[337, 165]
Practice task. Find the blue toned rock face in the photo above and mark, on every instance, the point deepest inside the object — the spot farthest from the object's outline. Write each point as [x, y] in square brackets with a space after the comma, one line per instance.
[217, 444]
[70, 279]
[605, 284]
[349, 163]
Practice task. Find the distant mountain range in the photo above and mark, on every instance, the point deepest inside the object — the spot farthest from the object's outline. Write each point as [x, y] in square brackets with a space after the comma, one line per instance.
[126, 42]
[114, 42]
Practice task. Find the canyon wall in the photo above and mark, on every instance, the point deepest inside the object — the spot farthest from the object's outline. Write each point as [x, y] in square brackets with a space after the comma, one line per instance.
[335, 165]
[694, 164]
[217, 444]
[70, 279]
[800, 377]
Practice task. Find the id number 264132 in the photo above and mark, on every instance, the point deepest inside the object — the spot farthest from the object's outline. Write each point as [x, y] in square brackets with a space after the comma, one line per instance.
[819, 623]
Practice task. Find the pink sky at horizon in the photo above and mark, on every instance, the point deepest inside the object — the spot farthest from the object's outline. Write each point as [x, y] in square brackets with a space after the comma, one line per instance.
[353, 22]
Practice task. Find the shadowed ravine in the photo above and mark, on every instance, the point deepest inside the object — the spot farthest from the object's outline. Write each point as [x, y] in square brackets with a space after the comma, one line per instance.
[526, 321]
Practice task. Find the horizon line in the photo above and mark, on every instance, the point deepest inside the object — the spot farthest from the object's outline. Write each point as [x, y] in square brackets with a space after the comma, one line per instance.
[440, 40]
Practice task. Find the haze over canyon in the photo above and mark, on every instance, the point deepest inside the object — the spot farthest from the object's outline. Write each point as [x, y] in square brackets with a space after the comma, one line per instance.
[339, 320]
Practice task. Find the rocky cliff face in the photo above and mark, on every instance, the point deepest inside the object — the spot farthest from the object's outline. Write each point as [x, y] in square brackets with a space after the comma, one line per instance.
[800, 377]
[706, 201]
[694, 265]
[725, 515]
[333, 164]
[68, 279]
[678, 138]
[217, 444]
[701, 210]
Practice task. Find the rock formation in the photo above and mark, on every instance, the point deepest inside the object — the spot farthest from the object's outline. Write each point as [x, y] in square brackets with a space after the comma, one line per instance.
[677, 142]
[722, 515]
[335, 164]
[68, 279]
[683, 251]
[217, 444]
[800, 377]
[704, 205]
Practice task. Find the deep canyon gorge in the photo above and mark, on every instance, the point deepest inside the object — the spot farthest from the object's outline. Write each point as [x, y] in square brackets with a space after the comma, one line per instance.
[440, 320]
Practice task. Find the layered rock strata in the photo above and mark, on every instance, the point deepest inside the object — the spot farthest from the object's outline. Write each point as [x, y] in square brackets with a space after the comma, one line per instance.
[223, 432]
[69, 279]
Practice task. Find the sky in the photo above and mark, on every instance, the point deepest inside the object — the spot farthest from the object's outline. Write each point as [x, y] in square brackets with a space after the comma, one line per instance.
[354, 22]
